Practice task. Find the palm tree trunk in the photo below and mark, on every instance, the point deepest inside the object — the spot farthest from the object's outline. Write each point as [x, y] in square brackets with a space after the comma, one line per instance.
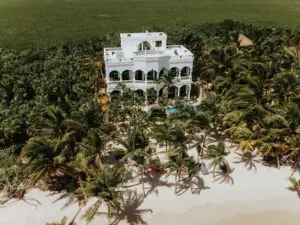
[178, 175]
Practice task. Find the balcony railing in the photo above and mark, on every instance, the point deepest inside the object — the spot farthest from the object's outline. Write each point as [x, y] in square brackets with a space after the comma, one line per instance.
[148, 52]
[175, 80]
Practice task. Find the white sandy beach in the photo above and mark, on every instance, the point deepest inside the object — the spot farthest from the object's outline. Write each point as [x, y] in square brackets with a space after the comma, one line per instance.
[255, 198]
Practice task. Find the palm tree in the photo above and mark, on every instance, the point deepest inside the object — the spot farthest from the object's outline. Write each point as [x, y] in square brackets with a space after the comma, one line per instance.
[137, 148]
[294, 52]
[217, 154]
[170, 133]
[200, 84]
[40, 158]
[166, 80]
[104, 187]
[177, 162]
[92, 149]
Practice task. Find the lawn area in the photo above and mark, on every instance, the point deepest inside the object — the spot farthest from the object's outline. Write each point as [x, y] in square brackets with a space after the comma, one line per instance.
[28, 23]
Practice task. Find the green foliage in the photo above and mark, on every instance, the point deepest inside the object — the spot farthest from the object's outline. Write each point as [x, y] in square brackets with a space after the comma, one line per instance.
[43, 23]
[217, 154]
[52, 131]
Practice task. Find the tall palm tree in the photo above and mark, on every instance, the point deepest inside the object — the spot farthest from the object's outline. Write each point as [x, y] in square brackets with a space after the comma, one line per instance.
[200, 84]
[104, 186]
[137, 149]
[217, 154]
[166, 80]
[176, 163]
[170, 133]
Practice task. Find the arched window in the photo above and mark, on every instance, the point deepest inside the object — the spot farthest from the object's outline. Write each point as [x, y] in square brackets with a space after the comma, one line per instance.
[186, 71]
[145, 45]
[184, 90]
[163, 71]
[174, 72]
[114, 75]
[151, 75]
[139, 75]
[127, 75]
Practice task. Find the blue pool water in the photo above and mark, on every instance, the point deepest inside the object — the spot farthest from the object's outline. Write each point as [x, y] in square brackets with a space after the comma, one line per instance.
[174, 108]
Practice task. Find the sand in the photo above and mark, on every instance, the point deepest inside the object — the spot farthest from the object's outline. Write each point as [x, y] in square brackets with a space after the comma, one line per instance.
[256, 198]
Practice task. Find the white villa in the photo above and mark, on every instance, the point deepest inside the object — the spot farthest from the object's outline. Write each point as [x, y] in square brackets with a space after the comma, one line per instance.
[142, 58]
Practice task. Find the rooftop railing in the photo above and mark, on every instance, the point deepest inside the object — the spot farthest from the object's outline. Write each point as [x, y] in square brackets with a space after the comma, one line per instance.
[148, 52]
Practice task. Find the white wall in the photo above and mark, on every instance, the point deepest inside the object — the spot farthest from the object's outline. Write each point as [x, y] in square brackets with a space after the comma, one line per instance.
[130, 45]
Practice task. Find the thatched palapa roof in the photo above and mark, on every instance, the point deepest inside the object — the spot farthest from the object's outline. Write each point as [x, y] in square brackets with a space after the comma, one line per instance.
[244, 41]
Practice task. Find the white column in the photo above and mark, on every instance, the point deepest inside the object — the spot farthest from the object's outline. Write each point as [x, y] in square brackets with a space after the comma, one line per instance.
[178, 91]
[120, 76]
[189, 92]
[179, 75]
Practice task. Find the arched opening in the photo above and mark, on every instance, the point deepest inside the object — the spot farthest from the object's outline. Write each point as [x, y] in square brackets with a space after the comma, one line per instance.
[140, 94]
[127, 75]
[186, 71]
[151, 75]
[172, 92]
[184, 91]
[145, 45]
[162, 72]
[174, 72]
[114, 75]
[160, 93]
[115, 92]
[151, 95]
[139, 75]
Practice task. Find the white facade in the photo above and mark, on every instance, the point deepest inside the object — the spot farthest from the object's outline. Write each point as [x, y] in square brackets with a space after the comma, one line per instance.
[142, 58]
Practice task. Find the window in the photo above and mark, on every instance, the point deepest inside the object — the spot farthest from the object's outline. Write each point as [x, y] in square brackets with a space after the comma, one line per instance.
[158, 43]
[144, 46]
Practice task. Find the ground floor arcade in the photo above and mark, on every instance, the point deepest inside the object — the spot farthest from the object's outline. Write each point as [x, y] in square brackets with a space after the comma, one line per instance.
[153, 94]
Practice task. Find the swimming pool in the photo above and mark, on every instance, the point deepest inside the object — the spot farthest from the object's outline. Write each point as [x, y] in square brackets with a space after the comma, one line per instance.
[173, 109]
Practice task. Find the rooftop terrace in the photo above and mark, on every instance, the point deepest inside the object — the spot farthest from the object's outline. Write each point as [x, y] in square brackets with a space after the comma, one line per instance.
[174, 51]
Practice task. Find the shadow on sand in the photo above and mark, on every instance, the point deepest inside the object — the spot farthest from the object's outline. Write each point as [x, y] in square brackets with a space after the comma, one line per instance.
[129, 210]
[194, 183]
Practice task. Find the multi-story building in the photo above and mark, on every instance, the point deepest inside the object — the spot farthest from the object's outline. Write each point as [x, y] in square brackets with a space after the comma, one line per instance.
[143, 58]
